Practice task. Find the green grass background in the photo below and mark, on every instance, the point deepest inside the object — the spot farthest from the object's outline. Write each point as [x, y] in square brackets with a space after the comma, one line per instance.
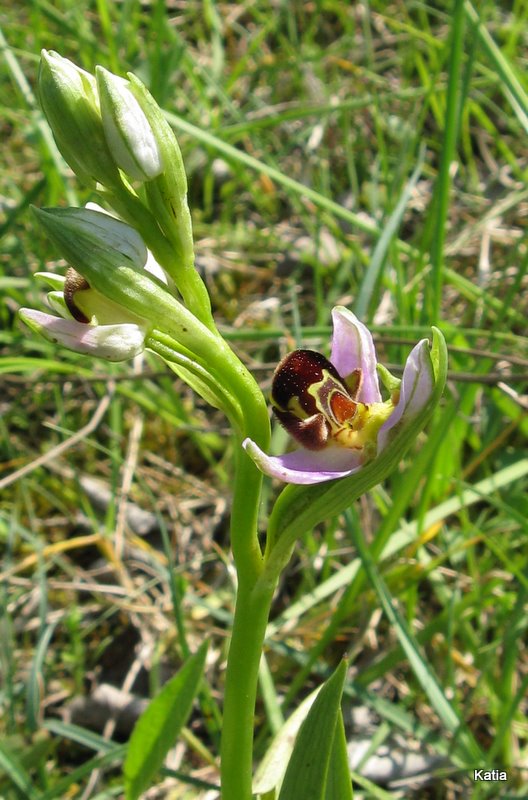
[371, 154]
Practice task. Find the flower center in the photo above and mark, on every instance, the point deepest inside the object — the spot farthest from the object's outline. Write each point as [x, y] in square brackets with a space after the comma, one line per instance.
[318, 407]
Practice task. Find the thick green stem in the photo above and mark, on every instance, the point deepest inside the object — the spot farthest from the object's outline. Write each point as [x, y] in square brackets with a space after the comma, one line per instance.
[249, 628]
[244, 518]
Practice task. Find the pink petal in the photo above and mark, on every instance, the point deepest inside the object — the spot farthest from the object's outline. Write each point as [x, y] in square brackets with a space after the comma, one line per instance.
[112, 342]
[306, 466]
[353, 348]
[415, 391]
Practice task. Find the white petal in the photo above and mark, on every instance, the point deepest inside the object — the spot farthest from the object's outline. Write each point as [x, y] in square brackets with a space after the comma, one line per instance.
[306, 466]
[111, 342]
[415, 391]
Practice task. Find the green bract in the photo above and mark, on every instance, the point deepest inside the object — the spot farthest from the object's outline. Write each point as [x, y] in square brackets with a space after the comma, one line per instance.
[167, 194]
[111, 257]
[167, 200]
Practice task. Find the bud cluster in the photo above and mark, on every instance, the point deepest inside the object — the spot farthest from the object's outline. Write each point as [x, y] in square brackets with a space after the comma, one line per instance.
[115, 138]
[97, 123]
[131, 282]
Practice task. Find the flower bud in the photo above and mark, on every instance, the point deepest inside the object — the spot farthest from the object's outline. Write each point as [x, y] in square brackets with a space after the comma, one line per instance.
[88, 305]
[167, 193]
[111, 342]
[102, 251]
[68, 96]
[112, 258]
[128, 133]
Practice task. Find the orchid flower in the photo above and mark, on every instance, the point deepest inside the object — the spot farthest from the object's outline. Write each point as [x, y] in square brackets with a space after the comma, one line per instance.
[334, 408]
[89, 322]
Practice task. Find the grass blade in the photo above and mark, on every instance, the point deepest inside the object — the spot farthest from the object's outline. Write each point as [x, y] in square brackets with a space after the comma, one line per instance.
[441, 200]
[382, 245]
[511, 86]
[11, 765]
[467, 745]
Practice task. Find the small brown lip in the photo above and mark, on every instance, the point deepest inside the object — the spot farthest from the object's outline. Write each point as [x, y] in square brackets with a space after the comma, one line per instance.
[75, 283]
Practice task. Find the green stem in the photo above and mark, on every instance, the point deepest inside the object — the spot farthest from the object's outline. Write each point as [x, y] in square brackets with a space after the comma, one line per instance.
[244, 518]
[221, 367]
[167, 253]
[249, 628]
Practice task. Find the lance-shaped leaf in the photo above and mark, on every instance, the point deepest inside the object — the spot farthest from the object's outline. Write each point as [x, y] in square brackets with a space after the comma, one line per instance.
[158, 727]
[313, 754]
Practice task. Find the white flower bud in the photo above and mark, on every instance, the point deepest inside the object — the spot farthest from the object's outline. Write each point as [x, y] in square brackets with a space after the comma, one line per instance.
[127, 131]
[111, 342]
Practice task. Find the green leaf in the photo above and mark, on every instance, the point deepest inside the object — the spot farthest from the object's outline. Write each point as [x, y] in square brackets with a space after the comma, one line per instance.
[271, 769]
[510, 85]
[338, 782]
[157, 729]
[393, 222]
[307, 772]
[36, 680]
[88, 739]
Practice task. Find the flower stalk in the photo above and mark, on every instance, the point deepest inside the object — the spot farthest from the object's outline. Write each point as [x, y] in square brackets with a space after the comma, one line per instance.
[245, 650]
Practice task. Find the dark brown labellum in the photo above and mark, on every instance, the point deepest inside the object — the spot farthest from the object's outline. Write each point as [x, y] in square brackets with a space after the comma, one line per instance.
[310, 399]
[294, 376]
[312, 433]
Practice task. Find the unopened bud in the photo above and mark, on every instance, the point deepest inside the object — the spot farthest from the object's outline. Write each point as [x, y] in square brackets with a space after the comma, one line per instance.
[128, 132]
[68, 96]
